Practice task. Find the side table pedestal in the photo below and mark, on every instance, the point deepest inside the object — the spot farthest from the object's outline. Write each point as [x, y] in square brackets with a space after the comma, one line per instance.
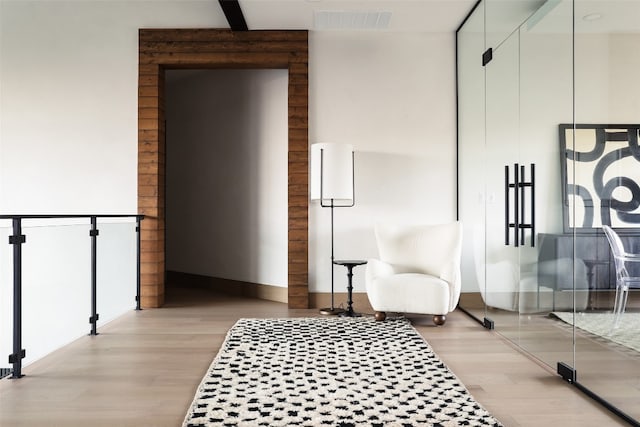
[350, 263]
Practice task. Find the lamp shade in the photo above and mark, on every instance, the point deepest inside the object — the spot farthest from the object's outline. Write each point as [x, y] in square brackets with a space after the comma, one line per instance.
[331, 171]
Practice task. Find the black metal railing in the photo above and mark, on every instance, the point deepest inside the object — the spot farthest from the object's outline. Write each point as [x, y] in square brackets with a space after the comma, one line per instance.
[17, 239]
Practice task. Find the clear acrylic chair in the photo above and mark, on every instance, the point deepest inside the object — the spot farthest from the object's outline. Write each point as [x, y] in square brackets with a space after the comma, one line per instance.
[624, 280]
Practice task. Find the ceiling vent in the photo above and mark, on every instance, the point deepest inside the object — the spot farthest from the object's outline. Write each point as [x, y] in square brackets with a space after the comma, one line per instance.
[351, 20]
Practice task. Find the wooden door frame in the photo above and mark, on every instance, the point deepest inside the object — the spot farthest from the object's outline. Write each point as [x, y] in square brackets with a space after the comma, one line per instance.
[161, 49]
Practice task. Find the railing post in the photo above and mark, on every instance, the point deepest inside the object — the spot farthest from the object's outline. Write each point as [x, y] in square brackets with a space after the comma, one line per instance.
[94, 299]
[17, 239]
[138, 230]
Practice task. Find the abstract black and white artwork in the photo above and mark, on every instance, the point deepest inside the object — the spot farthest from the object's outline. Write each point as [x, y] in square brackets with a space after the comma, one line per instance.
[601, 176]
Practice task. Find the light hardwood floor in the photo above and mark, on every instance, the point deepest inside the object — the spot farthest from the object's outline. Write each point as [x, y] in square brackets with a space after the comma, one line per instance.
[143, 369]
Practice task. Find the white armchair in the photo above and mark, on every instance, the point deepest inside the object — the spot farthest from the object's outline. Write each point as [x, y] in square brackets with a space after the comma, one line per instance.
[418, 270]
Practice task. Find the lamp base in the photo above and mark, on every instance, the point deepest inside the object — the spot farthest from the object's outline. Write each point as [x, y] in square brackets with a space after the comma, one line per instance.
[332, 311]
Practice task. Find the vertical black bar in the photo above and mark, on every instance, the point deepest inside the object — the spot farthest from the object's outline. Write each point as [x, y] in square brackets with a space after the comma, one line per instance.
[506, 205]
[138, 263]
[353, 180]
[18, 353]
[533, 205]
[516, 205]
[522, 185]
[94, 298]
[350, 311]
[332, 257]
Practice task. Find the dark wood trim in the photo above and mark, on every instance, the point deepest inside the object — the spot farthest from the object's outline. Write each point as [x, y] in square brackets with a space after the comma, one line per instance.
[161, 49]
[233, 13]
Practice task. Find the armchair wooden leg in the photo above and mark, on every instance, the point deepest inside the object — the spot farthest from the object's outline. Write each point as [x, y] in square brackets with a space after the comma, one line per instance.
[380, 316]
[439, 319]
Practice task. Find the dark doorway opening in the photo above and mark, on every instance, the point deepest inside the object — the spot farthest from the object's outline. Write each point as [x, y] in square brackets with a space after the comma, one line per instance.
[208, 48]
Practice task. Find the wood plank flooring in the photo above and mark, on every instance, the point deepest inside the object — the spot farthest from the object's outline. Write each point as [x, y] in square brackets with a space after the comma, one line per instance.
[143, 369]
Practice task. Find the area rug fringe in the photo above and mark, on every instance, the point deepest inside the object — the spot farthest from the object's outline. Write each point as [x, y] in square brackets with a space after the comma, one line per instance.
[331, 372]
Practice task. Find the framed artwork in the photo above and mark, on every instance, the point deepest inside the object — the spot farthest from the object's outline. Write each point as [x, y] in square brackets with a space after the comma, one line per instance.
[600, 167]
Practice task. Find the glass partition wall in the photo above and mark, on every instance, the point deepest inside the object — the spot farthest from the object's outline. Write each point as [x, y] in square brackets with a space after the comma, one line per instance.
[607, 116]
[548, 111]
[471, 158]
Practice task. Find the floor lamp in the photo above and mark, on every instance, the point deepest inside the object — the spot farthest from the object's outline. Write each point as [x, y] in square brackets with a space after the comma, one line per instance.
[332, 183]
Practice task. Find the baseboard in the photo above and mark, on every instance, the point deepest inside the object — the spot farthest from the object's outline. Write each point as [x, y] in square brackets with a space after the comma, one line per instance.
[177, 279]
[317, 300]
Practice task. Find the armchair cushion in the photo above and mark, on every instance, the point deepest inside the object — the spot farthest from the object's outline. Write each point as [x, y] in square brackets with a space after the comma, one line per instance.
[410, 293]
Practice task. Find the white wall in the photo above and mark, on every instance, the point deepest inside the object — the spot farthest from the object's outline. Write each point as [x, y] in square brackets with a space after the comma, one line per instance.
[607, 89]
[227, 174]
[370, 90]
[68, 144]
[68, 72]
[391, 95]
[69, 116]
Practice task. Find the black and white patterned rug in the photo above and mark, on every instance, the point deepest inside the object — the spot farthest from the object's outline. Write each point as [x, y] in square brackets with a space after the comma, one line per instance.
[331, 372]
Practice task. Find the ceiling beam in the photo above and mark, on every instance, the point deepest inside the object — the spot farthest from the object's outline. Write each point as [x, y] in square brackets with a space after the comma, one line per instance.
[232, 11]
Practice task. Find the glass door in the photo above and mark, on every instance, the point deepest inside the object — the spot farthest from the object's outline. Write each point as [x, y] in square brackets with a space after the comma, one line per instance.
[606, 191]
[559, 91]
[502, 208]
[528, 96]
[548, 273]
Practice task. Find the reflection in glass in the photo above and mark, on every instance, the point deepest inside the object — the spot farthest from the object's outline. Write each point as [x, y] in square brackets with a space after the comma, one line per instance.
[562, 73]
[471, 154]
[502, 150]
[607, 92]
[546, 100]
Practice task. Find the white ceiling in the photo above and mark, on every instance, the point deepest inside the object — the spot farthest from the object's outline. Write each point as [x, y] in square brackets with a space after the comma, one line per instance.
[445, 15]
[406, 15]
[612, 16]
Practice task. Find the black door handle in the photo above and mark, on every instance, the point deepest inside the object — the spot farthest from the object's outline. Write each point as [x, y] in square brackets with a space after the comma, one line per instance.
[519, 223]
[516, 205]
[523, 184]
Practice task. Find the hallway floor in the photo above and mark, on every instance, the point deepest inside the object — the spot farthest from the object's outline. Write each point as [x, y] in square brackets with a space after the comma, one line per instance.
[143, 368]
